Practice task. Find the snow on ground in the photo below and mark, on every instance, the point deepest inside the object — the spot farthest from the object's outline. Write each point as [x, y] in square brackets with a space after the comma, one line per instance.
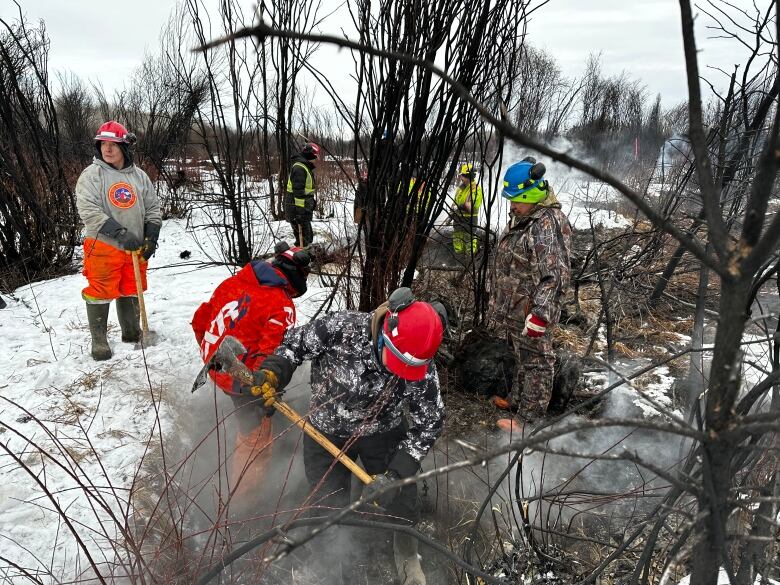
[652, 397]
[723, 579]
[94, 418]
[96, 409]
[580, 205]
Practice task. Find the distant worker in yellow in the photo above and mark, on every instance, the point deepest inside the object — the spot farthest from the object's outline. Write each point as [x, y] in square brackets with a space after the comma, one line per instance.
[419, 197]
[301, 194]
[468, 200]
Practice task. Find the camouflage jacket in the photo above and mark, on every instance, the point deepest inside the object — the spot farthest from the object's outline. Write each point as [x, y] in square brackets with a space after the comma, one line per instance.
[352, 393]
[532, 268]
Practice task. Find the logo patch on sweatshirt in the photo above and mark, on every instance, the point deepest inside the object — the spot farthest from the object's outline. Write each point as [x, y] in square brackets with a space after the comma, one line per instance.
[122, 195]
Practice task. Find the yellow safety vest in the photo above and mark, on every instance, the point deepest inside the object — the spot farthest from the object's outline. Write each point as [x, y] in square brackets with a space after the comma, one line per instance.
[463, 193]
[308, 188]
[423, 198]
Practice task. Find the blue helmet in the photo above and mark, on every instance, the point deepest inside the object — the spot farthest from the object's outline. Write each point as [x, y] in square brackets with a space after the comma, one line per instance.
[524, 182]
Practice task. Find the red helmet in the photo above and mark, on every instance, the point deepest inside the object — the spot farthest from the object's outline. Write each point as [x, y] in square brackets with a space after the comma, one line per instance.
[112, 131]
[311, 151]
[298, 256]
[412, 336]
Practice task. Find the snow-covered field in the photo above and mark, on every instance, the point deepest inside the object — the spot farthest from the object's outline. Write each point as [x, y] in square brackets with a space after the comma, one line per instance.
[100, 421]
[101, 414]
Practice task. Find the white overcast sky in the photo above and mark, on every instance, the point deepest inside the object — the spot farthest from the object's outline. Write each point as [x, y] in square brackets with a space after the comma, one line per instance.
[104, 41]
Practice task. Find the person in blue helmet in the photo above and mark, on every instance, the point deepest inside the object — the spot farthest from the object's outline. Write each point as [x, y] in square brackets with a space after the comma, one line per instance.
[530, 277]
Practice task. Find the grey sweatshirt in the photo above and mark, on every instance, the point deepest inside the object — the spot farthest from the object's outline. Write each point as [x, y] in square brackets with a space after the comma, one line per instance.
[126, 194]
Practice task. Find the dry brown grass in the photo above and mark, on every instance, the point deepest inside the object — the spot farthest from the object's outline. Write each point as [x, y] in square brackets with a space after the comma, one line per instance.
[685, 283]
[623, 350]
[570, 339]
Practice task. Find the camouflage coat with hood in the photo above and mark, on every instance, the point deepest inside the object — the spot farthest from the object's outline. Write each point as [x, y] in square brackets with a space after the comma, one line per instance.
[532, 268]
[352, 393]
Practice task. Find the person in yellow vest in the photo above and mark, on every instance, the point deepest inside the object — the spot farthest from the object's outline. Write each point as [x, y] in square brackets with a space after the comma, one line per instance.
[301, 189]
[418, 195]
[468, 200]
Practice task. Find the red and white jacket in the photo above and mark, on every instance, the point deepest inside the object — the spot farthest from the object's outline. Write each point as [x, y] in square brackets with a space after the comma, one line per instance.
[254, 306]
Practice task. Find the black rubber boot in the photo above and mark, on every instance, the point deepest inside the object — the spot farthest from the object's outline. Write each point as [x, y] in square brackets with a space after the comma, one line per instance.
[129, 314]
[97, 315]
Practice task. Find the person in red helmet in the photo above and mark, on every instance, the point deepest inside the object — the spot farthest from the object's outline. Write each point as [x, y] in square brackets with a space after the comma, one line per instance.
[255, 306]
[375, 394]
[301, 194]
[118, 205]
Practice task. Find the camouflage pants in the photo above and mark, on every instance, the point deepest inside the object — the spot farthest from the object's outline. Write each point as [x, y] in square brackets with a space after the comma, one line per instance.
[533, 384]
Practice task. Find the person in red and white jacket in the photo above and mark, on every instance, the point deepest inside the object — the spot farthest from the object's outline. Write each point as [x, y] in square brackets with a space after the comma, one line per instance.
[255, 306]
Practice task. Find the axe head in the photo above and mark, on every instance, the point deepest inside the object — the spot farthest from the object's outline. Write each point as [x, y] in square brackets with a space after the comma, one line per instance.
[225, 359]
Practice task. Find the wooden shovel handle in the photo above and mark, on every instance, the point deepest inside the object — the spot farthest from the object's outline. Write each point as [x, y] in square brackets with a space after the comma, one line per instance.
[322, 440]
[140, 291]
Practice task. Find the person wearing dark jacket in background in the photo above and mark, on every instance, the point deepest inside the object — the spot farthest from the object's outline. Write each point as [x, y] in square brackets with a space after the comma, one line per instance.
[361, 194]
[366, 369]
[255, 306]
[121, 213]
[301, 194]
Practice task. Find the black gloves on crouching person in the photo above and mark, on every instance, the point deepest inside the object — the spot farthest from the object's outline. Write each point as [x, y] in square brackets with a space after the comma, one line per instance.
[401, 466]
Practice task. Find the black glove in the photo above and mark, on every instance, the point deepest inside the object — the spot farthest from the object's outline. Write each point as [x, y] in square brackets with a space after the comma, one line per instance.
[371, 491]
[125, 239]
[151, 233]
[280, 366]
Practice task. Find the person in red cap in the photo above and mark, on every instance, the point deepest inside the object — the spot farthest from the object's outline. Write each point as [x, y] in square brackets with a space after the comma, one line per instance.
[254, 306]
[121, 213]
[366, 369]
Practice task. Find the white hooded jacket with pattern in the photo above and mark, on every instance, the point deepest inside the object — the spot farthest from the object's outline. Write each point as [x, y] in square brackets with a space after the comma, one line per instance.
[352, 394]
[127, 195]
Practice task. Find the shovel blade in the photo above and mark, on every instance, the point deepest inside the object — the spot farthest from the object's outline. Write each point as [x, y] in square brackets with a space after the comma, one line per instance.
[148, 338]
[225, 359]
[201, 378]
